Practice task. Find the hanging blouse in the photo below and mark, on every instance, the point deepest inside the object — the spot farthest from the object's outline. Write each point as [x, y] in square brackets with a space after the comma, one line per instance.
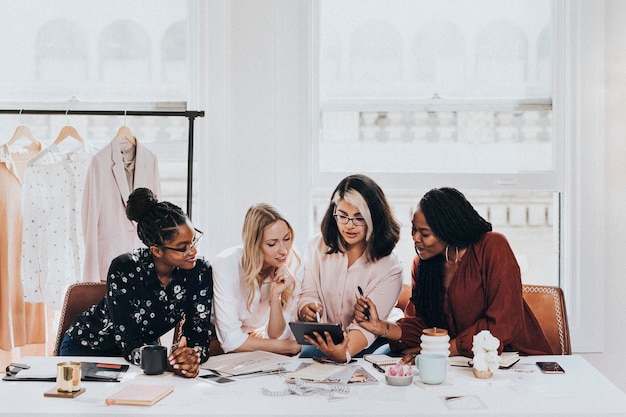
[17, 326]
[52, 245]
[127, 150]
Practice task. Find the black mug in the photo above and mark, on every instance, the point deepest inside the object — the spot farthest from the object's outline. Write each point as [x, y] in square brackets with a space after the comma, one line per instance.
[153, 359]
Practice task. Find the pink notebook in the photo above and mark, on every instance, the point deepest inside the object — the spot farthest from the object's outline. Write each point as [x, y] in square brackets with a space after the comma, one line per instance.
[140, 394]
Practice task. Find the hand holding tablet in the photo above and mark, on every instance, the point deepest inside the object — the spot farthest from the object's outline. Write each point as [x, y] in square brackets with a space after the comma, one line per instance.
[301, 328]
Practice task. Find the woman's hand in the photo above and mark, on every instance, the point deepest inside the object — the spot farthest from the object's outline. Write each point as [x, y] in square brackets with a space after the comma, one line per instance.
[281, 280]
[326, 345]
[311, 311]
[408, 355]
[185, 361]
[291, 347]
[374, 324]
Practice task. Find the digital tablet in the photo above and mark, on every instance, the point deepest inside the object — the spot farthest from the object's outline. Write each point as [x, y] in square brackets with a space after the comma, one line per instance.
[301, 328]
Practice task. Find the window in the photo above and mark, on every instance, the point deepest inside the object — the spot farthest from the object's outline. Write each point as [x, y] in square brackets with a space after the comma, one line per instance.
[426, 94]
[558, 104]
[114, 55]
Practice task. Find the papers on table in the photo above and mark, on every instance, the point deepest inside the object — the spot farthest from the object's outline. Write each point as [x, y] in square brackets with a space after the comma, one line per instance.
[245, 363]
[332, 373]
[317, 372]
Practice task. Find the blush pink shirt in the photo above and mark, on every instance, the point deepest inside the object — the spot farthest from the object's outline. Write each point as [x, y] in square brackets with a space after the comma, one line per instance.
[330, 282]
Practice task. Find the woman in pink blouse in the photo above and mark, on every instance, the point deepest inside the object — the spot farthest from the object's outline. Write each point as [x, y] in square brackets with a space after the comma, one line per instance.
[466, 279]
[355, 249]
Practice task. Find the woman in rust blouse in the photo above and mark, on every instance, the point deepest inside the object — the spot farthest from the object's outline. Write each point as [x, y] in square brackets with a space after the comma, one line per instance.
[465, 279]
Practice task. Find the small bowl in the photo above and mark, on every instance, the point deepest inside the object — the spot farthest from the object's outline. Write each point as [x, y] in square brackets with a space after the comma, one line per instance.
[399, 381]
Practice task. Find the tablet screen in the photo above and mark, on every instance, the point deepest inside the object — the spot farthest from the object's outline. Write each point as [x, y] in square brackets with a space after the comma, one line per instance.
[301, 328]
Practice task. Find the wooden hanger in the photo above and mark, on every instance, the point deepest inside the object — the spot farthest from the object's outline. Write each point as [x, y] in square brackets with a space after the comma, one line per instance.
[125, 133]
[68, 131]
[22, 131]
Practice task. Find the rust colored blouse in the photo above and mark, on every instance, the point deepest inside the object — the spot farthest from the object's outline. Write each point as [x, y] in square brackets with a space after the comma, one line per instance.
[484, 294]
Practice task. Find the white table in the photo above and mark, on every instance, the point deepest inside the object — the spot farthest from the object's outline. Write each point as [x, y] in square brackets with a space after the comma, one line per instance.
[520, 391]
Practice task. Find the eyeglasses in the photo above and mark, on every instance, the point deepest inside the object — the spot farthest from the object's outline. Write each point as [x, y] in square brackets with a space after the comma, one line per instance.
[193, 243]
[357, 221]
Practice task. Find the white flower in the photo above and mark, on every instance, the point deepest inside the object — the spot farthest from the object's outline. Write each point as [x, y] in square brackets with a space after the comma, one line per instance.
[485, 349]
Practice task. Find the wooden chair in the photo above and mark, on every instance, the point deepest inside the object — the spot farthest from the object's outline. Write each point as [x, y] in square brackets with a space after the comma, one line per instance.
[78, 298]
[548, 305]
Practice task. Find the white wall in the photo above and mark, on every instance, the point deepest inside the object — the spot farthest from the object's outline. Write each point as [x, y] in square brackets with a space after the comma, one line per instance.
[611, 362]
[253, 143]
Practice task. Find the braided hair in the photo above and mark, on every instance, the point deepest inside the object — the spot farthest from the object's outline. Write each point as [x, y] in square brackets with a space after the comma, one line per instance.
[454, 221]
[156, 220]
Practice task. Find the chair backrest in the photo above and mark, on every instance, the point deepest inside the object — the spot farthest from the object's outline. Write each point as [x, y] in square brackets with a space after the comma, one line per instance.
[78, 298]
[548, 305]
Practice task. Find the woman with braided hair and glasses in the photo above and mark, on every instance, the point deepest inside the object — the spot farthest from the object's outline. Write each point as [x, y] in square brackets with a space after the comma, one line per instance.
[465, 279]
[149, 290]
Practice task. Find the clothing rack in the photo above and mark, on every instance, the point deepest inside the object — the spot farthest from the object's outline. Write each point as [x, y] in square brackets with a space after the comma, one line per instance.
[189, 114]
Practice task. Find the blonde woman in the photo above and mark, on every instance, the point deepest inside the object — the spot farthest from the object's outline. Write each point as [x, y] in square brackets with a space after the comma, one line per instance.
[255, 286]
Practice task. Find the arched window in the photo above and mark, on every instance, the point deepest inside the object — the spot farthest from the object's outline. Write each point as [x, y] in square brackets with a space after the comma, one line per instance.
[125, 53]
[174, 52]
[438, 52]
[500, 68]
[376, 59]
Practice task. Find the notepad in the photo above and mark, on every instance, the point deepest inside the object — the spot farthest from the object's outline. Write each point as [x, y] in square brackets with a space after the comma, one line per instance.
[507, 359]
[140, 394]
[380, 359]
[317, 372]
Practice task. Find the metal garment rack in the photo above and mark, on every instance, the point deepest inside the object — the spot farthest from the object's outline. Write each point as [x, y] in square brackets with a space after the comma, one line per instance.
[189, 114]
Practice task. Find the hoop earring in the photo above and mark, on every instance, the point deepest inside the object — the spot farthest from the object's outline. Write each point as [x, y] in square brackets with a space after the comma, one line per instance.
[456, 259]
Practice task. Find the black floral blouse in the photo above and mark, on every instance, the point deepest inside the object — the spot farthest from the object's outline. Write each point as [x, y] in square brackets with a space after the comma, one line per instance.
[138, 309]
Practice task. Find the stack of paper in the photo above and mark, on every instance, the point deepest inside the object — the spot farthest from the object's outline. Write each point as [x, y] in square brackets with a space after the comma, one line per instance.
[332, 373]
[245, 363]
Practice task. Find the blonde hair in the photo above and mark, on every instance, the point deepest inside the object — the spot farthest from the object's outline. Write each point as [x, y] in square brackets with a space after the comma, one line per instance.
[257, 219]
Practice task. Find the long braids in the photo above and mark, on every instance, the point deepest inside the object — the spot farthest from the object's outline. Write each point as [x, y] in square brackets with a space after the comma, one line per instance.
[454, 221]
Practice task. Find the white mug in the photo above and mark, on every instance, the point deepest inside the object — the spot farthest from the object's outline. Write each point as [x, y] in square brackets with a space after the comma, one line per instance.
[432, 367]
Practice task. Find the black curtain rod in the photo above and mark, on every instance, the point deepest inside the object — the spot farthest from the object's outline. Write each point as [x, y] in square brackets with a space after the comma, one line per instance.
[189, 114]
[164, 113]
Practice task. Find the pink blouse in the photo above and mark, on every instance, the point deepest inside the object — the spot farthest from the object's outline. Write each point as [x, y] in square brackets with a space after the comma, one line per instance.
[330, 282]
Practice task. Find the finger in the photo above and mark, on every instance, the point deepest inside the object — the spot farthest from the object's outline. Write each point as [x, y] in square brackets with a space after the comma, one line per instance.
[183, 356]
[328, 339]
[312, 341]
[182, 342]
[188, 363]
[321, 341]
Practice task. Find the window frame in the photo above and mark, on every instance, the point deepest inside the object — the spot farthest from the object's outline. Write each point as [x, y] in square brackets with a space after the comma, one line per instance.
[577, 108]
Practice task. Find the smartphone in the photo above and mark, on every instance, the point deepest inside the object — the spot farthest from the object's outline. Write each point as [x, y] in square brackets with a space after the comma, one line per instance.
[550, 368]
[216, 378]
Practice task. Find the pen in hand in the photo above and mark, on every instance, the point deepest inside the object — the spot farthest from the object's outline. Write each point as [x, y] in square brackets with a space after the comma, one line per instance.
[367, 310]
[317, 313]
